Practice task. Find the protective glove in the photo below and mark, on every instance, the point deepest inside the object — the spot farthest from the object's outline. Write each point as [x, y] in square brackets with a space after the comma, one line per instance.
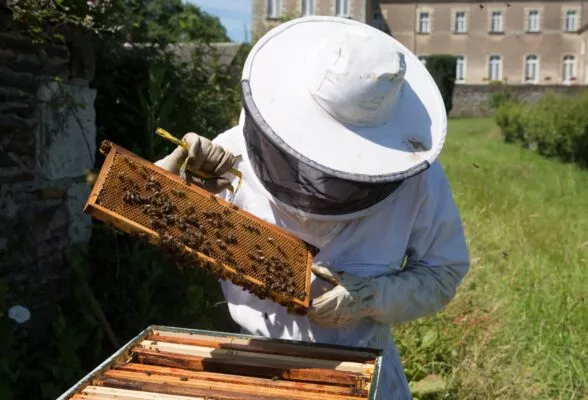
[352, 299]
[202, 155]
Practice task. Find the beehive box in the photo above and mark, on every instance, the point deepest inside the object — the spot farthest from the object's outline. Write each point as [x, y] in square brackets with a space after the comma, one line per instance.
[195, 227]
[181, 364]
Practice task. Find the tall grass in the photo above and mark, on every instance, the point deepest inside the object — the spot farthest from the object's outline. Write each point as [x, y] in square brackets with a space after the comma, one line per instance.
[518, 328]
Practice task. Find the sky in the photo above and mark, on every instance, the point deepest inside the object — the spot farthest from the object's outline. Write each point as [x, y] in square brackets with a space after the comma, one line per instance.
[235, 15]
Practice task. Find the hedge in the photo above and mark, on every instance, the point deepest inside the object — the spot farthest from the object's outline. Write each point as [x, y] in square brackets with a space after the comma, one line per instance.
[555, 126]
[442, 69]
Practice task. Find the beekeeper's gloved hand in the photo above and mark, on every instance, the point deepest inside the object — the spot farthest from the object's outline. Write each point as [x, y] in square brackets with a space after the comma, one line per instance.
[352, 299]
[202, 155]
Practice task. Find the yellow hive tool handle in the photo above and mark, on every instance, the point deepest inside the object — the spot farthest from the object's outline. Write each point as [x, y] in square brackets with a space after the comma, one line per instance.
[168, 136]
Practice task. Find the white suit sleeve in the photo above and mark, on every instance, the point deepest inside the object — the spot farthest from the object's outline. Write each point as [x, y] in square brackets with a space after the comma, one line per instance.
[438, 257]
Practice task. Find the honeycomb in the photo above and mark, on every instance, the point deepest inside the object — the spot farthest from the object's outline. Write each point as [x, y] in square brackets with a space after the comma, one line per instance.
[196, 228]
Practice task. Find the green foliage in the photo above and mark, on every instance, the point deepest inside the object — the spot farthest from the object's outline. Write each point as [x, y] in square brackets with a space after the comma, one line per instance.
[153, 21]
[141, 89]
[45, 20]
[135, 286]
[442, 69]
[117, 284]
[555, 126]
[517, 328]
[171, 21]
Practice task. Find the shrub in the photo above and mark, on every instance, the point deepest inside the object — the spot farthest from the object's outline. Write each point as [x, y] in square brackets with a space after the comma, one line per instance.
[442, 69]
[509, 117]
[555, 126]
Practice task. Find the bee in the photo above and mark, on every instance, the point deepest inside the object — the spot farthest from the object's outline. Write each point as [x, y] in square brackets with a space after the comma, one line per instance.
[122, 178]
[152, 184]
[132, 197]
[231, 260]
[156, 223]
[231, 239]
[206, 249]
[168, 207]
[270, 239]
[252, 229]
[178, 193]
[191, 220]
[226, 211]
[190, 210]
[129, 162]
[234, 206]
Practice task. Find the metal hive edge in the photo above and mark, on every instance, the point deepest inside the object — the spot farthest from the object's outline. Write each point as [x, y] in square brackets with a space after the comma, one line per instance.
[124, 353]
[121, 353]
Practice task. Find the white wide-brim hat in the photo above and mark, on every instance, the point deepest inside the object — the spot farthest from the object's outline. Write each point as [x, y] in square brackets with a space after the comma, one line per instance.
[347, 98]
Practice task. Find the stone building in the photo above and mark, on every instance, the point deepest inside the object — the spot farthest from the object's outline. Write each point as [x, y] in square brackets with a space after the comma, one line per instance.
[515, 42]
[269, 13]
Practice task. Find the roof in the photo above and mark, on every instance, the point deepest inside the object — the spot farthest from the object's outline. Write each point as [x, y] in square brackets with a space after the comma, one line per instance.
[226, 51]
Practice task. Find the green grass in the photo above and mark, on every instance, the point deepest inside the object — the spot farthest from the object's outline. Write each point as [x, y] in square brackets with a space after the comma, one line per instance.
[518, 328]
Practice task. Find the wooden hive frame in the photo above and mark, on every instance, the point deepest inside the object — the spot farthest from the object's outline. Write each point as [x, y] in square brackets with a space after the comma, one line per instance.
[196, 227]
[181, 364]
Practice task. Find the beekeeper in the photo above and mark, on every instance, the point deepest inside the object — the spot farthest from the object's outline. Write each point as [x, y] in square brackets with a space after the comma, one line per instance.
[338, 142]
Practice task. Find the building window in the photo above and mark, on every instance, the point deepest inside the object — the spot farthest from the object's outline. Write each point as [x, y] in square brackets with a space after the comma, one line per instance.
[342, 8]
[495, 68]
[496, 21]
[307, 7]
[274, 9]
[531, 69]
[423, 59]
[533, 21]
[460, 69]
[424, 22]
[568, 69]
[460, 22]
[570, 21]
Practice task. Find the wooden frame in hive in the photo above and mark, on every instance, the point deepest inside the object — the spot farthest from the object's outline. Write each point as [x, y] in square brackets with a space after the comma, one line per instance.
[196, 227]
[183, 364]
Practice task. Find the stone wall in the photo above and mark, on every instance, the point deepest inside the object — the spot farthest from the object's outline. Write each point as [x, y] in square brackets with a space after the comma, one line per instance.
[47, 145]
[473, 100]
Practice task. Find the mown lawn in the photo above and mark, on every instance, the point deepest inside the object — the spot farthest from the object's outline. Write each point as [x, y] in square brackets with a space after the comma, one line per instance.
[518, 328]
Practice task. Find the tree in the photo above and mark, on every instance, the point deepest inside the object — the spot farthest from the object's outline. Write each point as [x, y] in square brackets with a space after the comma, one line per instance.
[442, 69]
[155, 21]
[171, 21]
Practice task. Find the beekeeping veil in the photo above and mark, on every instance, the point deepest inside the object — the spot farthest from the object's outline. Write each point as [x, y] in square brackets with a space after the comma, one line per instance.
[336, 115]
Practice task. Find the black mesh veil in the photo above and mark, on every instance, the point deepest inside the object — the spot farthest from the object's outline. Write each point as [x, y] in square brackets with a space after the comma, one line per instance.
[303, 184]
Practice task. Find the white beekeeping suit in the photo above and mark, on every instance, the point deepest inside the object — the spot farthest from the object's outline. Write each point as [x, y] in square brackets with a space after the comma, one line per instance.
[338, 143]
